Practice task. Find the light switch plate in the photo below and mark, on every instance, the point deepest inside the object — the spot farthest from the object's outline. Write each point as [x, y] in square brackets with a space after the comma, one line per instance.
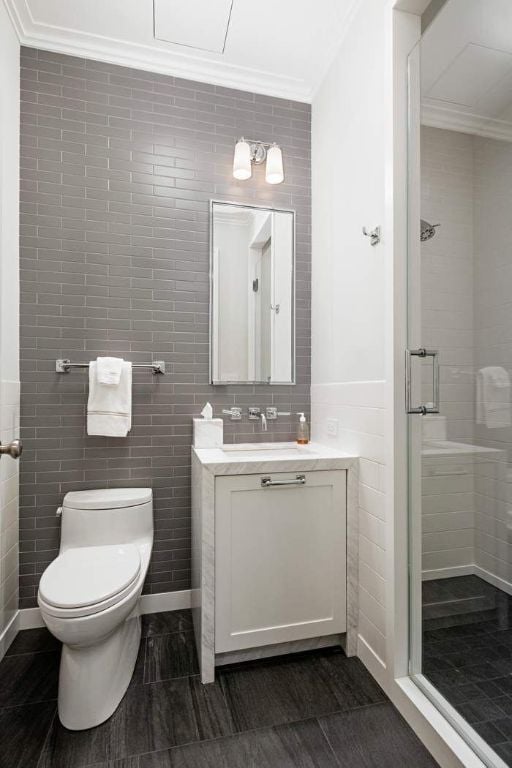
[332, 427]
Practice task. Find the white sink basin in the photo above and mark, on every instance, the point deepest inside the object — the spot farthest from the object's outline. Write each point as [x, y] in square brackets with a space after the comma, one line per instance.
[265, 451]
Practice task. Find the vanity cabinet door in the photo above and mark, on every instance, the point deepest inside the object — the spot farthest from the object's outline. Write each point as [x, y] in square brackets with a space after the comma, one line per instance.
[280, 559]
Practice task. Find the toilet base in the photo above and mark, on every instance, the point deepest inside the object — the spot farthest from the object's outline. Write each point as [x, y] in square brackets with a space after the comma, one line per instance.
[94, 679]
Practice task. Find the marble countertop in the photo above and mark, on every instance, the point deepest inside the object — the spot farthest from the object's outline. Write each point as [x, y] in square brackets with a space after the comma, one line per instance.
[253, 458]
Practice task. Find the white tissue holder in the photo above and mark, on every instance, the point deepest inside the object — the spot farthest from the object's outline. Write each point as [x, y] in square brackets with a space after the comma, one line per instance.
[208, 433]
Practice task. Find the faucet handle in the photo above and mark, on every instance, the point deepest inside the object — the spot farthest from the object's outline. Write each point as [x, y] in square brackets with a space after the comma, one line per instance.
[235, 412]
[254, 412]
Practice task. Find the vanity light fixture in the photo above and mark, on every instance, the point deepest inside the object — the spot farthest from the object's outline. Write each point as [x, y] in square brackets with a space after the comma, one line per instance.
[274, 173]
[248, 151]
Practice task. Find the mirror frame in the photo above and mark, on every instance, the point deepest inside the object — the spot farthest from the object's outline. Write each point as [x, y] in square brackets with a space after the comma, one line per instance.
[270, 209]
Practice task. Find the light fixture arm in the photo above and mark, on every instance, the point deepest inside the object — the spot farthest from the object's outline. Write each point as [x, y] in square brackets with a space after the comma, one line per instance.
[258, 150]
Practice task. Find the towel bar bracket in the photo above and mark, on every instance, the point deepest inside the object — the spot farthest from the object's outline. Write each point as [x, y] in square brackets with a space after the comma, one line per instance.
[63, 365]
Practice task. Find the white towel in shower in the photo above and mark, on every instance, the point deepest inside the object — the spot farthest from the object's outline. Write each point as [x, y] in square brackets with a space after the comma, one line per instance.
[108, 370]
[493, 397]
[109, 409]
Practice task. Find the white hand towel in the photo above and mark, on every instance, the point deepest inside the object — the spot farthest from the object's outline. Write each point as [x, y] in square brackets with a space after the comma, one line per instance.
[493, 397]
[108, 370]
[109, 409]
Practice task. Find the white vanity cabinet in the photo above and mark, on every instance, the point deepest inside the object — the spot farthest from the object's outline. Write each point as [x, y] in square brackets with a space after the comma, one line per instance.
[280, 558]
[274, 551]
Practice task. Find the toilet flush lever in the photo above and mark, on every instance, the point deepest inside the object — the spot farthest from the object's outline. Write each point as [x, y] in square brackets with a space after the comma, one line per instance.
[58, 512]
[12, 449]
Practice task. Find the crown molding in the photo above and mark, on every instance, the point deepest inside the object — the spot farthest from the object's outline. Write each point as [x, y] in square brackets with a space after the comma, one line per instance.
[153, 59]
[453, 119]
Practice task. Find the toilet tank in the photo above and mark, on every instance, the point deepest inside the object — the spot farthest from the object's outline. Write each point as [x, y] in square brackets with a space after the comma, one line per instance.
[106, 516]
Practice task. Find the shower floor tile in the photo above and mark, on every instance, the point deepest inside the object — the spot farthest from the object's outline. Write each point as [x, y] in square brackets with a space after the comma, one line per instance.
[467, 653]
[316, 709]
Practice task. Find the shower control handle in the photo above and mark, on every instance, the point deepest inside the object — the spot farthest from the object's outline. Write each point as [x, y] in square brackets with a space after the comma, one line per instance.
[423, 410]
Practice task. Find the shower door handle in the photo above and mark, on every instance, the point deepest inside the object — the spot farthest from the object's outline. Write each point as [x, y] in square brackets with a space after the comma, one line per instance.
[421, 352]
[12, 449]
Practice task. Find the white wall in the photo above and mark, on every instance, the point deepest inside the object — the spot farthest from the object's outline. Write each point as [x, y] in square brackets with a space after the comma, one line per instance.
[348, 285]
[9, 328]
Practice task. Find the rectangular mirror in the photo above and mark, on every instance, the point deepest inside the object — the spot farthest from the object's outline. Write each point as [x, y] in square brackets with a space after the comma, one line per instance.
[252, 301]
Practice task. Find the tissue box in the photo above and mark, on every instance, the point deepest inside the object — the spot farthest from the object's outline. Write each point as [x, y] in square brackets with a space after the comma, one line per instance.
[208, 433]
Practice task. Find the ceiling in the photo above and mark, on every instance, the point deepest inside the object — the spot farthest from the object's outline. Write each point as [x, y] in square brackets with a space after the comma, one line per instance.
[466, 68]
[279, 48]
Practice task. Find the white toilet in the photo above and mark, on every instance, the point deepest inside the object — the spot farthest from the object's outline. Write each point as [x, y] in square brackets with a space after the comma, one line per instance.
[89, 598]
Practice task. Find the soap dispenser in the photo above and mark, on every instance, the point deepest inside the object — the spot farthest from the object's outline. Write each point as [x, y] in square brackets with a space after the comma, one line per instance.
[302, 430]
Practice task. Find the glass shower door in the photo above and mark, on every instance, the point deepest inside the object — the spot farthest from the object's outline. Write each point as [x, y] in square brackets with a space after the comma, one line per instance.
[460, 371]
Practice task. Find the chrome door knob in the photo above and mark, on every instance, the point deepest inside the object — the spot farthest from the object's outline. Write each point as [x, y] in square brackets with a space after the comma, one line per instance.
[12, 449]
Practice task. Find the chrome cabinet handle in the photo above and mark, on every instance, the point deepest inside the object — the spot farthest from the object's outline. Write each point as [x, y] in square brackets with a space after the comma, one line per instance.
[422, 352]
[12, 449]
[267, 482]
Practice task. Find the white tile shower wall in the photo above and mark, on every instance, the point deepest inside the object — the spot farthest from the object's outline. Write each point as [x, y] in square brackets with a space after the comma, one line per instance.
[358, 408]
[9, 300]
[448, 499]
[467, 314]
[493, 346]
[447, 272]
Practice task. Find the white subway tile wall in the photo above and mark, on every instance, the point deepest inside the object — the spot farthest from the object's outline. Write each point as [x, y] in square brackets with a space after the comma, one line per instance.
[359, 408]
[493, 346]
[118, 167]
[447, 272]
[467, 315]
[9, 522]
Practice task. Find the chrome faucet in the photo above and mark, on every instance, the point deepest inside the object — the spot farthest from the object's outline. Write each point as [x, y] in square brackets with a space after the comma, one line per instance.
[256, 413]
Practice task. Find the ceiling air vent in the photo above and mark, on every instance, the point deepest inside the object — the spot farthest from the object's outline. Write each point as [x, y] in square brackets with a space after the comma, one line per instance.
[201, 24]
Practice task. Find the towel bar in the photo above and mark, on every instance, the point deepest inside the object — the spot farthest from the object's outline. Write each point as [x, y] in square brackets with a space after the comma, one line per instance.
[64, 366]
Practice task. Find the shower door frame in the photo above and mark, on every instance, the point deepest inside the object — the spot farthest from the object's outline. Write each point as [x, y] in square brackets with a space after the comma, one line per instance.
[413, 424]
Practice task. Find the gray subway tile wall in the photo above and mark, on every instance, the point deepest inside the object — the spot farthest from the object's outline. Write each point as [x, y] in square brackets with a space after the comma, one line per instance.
[117, 170]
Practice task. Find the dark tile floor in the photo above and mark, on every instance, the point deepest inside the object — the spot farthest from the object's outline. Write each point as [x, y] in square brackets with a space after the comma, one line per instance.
[316, 710]
[467, 653]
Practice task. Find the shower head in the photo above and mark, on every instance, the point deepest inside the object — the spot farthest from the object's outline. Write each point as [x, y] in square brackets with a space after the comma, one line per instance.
[427, 231]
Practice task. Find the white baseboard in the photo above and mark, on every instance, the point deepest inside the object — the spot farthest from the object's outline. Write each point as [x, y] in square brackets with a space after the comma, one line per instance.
[30, 618]
[469, 570]
[372, 662]
[496, 581]
[166, 601]
[8, 634]
[448, 573]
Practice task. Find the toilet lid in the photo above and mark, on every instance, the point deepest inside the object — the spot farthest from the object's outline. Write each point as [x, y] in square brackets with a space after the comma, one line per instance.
[85, 576]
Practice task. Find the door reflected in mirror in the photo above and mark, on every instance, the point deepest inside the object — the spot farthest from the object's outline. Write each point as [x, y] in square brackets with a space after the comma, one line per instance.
[252, 301]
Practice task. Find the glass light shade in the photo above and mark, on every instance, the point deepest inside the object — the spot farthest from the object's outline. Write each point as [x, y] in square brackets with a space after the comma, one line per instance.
[274, 173]
[242, 169]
